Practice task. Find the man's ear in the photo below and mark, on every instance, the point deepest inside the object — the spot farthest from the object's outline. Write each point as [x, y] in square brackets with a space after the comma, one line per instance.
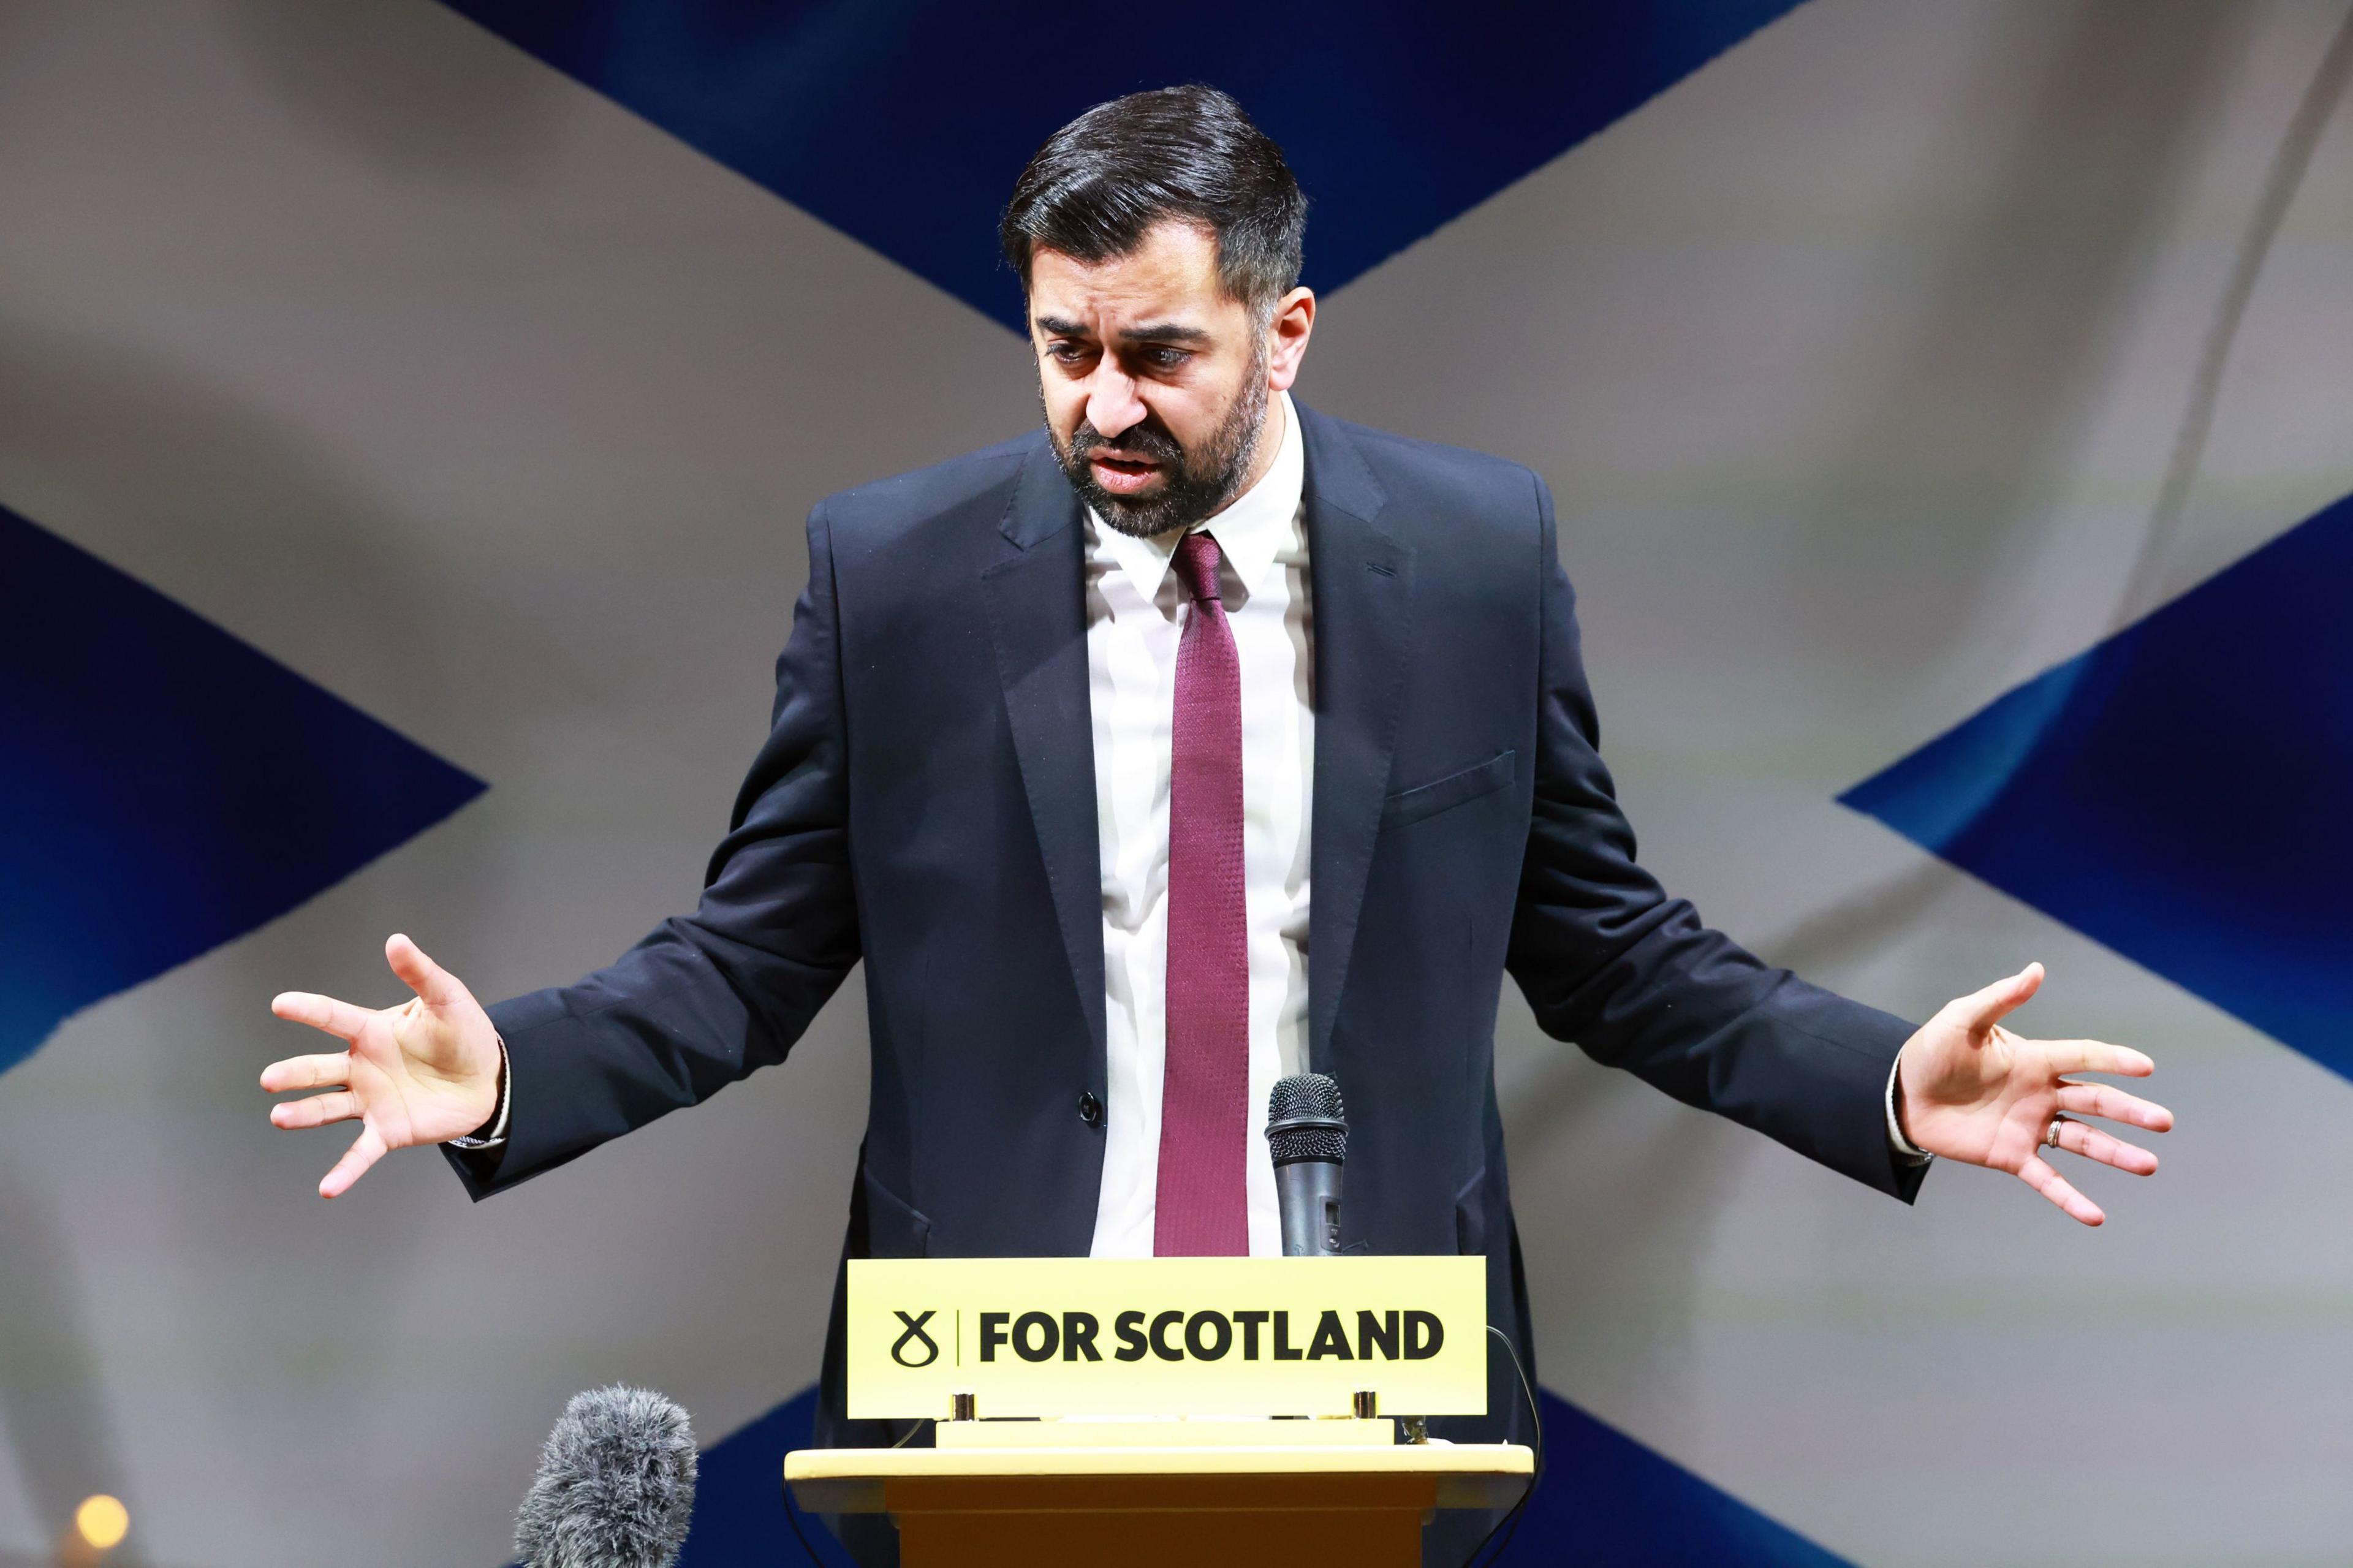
[1286, 337]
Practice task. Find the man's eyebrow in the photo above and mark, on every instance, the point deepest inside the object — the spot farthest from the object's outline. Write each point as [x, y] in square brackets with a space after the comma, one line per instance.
[1166, 332]
[1158, 333]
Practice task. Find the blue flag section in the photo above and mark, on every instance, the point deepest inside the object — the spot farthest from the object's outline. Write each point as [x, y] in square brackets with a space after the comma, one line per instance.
[902, 123]
[165, 787]
[2181, 791]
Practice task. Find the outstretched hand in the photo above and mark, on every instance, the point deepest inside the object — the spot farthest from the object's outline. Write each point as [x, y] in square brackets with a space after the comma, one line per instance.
[423, 1072]
[1970, 1090]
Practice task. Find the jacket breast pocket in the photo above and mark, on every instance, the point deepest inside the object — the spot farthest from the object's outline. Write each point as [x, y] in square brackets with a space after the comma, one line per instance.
[1410, 805]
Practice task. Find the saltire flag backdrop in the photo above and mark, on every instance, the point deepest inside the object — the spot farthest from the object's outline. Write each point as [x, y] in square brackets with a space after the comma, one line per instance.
[408, 410]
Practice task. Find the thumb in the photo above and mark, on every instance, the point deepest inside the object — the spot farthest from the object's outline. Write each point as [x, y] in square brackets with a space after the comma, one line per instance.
[434, 985]
[1984, 1009]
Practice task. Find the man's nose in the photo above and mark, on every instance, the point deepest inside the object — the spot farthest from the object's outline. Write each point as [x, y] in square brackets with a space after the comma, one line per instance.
[1113, 407]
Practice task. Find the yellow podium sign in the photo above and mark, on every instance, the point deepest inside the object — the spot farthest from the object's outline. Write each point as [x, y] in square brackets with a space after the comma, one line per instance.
[1167, 1336]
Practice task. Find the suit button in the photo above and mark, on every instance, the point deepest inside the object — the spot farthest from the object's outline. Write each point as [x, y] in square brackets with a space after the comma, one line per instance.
[1091, 1108]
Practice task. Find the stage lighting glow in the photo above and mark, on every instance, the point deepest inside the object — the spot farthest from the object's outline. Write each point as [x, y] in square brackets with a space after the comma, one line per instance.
[102, 1520]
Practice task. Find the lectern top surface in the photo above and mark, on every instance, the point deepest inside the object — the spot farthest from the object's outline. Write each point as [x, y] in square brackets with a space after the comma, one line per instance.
[1404, 1459]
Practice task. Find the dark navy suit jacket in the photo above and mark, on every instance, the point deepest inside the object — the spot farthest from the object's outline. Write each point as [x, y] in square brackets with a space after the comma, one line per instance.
[925, 802]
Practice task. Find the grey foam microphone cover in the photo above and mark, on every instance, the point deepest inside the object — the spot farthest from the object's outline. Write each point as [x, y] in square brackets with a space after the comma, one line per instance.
[616, 1485]
[1305, 1119]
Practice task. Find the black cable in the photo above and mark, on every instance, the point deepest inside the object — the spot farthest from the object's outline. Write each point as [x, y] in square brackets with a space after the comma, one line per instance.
[793, 1517]
[1510, 1524]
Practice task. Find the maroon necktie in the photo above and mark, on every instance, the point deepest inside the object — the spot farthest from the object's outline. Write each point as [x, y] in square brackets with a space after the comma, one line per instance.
[1202, 1210]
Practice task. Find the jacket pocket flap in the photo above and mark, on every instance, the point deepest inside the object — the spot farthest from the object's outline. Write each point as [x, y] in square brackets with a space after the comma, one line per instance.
[894, 1227]
[1430, 799]
[1471, 1214]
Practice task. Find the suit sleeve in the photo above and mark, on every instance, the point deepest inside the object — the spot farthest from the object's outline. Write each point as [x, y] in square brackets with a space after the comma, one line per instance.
[1608, 960]
[706, 997]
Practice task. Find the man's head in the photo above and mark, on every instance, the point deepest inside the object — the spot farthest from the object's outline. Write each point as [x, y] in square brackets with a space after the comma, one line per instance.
[1159, 238]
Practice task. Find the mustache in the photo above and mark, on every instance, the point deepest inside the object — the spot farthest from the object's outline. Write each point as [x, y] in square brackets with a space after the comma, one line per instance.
[1147, 439]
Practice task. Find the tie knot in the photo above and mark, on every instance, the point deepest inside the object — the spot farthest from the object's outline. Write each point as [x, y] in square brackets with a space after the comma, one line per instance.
[1196, 566]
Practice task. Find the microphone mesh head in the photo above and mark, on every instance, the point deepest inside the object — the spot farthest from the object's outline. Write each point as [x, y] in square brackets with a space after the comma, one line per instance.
[1305, 1120]
[1304, 1094]
[616, 1485]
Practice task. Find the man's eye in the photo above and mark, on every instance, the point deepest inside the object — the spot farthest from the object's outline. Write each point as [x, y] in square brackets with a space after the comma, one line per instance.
[1166, 359]
[1067, 352]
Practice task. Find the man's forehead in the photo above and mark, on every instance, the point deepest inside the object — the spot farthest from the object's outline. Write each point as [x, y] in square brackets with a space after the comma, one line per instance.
[1171, 277]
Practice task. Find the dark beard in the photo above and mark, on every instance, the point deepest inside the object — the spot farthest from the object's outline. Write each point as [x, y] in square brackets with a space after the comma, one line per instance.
[1198, 484]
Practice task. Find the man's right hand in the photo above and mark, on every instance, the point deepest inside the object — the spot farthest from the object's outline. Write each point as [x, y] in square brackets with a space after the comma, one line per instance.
[423, 1072]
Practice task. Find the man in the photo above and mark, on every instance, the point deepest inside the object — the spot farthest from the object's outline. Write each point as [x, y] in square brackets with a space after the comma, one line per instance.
[1067, 733]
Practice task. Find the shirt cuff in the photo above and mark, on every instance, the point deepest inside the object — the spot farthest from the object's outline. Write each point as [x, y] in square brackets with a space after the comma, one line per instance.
[1911, 1154]
[497, 1134]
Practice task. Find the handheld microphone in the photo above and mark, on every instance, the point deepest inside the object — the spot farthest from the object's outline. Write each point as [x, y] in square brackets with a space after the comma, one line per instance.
[1308, 1135]
[616, 1485]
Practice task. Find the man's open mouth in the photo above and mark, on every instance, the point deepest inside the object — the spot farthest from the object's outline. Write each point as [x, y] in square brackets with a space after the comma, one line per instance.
[1122, 476]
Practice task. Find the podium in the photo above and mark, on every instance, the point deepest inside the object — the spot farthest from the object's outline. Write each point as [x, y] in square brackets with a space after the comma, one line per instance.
[1099, 1374]
[1227, 1503]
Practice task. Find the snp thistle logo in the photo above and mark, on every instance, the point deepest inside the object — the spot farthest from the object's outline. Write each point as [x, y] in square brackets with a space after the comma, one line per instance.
[928, 1349]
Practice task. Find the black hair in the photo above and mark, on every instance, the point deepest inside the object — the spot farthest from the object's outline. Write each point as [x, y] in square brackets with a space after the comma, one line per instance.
[1101, 183]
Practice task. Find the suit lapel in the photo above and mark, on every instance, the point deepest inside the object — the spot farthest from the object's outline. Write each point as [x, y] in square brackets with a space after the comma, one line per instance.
[1036, 614]
[1362, 583]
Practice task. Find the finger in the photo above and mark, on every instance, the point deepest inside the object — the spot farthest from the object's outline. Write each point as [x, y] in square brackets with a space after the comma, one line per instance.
[2113, 1104]
[307, 1072]
[2053, 1185]
[2093, 1144]
[316, 1111]
[2095, 1056]
[1984, 1009]
[433, 984]
[340, 1019]
[365, 1151]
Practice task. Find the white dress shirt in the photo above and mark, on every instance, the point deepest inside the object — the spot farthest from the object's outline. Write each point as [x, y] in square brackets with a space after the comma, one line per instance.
[1136, 613]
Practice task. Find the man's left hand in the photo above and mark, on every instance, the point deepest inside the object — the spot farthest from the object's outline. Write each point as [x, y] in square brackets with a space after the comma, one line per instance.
[1970, 1090]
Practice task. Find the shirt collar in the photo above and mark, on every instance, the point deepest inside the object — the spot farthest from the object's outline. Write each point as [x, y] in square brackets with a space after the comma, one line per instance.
[1251, 533]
